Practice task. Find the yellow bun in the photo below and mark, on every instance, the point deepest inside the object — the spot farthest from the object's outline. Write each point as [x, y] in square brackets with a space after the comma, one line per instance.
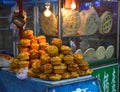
[34, 54]
[65, 49]
[61, 66]
[23, 50]
[57, 42]
[48, 71]
[28, 33]
[59, 71]
[55, 77]
[44, 76]
[35, 63]
[23, 64]
[84, 65]
[46, 66]
[34, 46]
[52, 50]
[23, 56]
[65, 75]
[43, 45]
[56, 60]
[42, 52]
[45, 59]
[24, 42]
[68, 59]
[74, 74]
[77, 58]
[73, 67]
[41, 38]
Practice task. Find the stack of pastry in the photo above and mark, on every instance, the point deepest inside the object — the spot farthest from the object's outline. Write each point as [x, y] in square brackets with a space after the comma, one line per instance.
[53, 61]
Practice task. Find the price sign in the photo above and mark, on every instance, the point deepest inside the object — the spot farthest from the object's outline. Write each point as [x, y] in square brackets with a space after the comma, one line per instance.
[108, 76]
[91, 85]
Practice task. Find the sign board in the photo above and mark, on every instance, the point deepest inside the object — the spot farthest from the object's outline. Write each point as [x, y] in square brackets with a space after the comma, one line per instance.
[90, 85]
[108, 77]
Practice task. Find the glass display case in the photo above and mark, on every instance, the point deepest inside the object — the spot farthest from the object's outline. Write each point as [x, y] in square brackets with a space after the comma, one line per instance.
[89, 27]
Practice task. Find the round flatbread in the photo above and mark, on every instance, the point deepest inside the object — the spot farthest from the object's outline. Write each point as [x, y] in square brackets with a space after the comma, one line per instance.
[79, 51]
[106, 22]
[109, 51]
[71, 23]
[89, 22]
[92, 24]
[49, 24]
[89, 54]
[100, 53]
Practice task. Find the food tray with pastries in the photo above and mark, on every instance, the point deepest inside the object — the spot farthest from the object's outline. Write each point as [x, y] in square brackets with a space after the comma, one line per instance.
[48, 61]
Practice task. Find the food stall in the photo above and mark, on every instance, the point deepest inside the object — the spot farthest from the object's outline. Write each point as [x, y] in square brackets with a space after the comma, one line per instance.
[81, 35]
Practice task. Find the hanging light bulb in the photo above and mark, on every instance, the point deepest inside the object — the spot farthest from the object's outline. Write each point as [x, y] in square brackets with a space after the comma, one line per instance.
[73, 5]
[47, 11]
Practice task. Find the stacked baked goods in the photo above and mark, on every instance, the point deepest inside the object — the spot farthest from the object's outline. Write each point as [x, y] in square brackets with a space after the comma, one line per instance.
[53, 61]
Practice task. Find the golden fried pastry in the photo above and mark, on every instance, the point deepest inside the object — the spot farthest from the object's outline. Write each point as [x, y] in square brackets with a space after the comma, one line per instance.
[77, 58]
[89, 71]
[56, 60]
[57, 42]
[35, 63]
[73, 67]
[48, 71]
[31, 73]
[34, 54]
[74, 74]
[58, 71]
[28, 34]
[84, 65]
[23, 64]
[23, 49]
[24, 42]
[82, 73]
[41, 38]
[55, 77]
[43, 45]
[42, 52]
[44, 76]
[61, 55]
[46, 66]
[23, 56]
[34, 46]
[45, 59]
[52, 50]
[34, 40]
[14, 65]
[68, 59]
[65, 49]
[36, 70]
[66, 75]
[61, 66]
